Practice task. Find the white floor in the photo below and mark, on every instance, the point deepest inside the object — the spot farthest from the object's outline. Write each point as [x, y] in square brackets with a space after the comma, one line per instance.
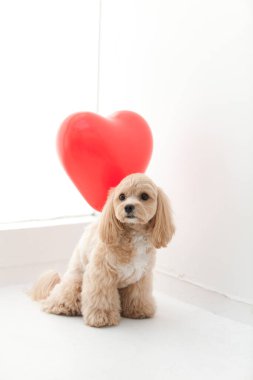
[181, 342]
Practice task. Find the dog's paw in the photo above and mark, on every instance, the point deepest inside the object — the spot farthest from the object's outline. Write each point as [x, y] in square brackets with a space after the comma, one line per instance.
[60, 308]
[101, 318]
[139, 311]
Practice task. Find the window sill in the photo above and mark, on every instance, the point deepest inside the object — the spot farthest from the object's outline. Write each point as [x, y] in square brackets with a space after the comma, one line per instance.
[52, 222]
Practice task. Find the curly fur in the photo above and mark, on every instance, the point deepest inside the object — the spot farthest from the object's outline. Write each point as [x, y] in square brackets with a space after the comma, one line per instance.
[110, 272]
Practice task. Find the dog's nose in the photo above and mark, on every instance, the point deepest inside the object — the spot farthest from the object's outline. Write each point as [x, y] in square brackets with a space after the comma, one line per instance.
[129, 208]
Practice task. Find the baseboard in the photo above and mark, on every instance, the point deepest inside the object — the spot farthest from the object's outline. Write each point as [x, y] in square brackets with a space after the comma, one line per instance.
[206, 299]
[28, 273]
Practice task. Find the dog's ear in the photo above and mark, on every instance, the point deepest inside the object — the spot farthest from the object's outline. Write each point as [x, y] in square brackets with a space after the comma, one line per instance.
[163, 227]
[109, 226]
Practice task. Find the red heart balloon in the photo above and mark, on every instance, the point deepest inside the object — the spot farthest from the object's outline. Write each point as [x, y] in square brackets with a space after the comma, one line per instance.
[97, 152]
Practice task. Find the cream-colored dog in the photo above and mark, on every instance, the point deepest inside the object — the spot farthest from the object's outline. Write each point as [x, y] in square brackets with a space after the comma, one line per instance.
[110, 271]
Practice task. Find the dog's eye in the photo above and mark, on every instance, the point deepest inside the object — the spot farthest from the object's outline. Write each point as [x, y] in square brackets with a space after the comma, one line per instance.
[122, 197]
[144, 196]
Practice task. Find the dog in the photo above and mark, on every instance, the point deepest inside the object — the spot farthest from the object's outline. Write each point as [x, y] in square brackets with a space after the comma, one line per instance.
[110, 272]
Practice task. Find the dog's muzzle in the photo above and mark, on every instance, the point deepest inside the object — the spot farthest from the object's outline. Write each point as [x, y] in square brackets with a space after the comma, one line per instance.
[129, 209]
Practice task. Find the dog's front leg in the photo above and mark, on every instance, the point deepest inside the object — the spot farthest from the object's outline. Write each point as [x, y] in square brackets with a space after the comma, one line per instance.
[100, 296]
[136, 300]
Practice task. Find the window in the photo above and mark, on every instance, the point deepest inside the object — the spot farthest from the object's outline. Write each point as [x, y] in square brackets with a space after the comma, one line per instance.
[48, 70]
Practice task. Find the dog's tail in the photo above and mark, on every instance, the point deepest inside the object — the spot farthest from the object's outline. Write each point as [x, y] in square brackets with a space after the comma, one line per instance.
[44, 285]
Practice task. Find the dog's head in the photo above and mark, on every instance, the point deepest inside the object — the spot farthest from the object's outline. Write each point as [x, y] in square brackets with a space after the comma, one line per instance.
[137, 201]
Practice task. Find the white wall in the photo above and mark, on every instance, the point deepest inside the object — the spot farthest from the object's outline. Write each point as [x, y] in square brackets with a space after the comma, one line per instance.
[30, 248]
[186, 66]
